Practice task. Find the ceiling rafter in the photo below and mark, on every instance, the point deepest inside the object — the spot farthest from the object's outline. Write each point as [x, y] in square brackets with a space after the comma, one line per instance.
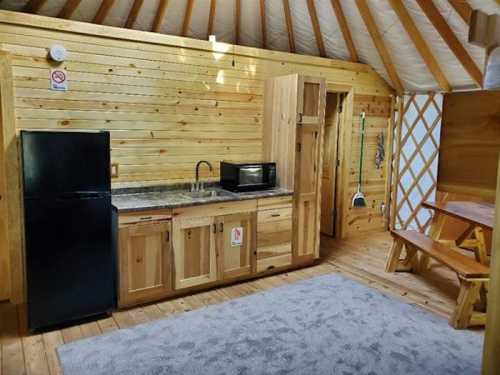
[344, 28]
[237, 17]
[462, 8]
[371, 26]
[160, 15]
[317, 30]
[289, 26]
[69, 8]
[439, 22]
[33, 6]
[263, 23]
[420, 44]
[133, 13]
[211, 17]
[187, 17]
[103, 11]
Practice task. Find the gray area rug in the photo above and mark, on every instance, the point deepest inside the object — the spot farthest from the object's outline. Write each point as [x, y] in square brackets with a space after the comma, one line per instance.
[324, 325]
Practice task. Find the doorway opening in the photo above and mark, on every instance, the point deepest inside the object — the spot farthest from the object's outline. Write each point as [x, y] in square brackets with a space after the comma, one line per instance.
[331, 162]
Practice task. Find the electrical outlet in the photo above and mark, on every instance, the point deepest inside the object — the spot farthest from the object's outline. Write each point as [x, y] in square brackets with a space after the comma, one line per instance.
[114, 170]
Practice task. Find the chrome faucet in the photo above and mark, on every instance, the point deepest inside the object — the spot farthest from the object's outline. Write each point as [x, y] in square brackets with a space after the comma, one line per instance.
[198, 186]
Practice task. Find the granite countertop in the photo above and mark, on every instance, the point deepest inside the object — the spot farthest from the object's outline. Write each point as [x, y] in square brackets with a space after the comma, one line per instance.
[175, 196]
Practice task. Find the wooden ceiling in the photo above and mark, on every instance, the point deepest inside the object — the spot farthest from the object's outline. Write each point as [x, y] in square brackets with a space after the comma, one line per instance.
[364, 7]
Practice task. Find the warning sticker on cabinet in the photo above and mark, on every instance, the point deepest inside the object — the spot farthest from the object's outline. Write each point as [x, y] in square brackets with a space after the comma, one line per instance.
[236, 236]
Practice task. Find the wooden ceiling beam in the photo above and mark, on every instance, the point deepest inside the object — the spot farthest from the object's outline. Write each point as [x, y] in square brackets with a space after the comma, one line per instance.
[68, 9]
[211, 18]
[160, 15]
[133, 13]
[462, 8]
[263, 23]
[237, 17]
[317, 30]
[420, 44]
[187, 17]
[289, 26]
[439, 22]
[103, 11]
[33, 6]
[371, 26]
[344, 28]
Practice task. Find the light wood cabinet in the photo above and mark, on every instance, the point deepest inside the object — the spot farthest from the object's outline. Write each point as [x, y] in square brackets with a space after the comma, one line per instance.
[274, 234]
[236, 244]
[204, 250]
[145, 262]
[194, 241]
[294, 112]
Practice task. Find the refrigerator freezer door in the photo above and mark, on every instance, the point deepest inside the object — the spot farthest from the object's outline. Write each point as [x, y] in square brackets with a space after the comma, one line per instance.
[61, 162]
[68, 259]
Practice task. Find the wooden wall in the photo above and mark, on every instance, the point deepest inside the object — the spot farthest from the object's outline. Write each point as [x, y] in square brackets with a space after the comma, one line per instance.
[470, 143]
[167, 101]
[374, 217]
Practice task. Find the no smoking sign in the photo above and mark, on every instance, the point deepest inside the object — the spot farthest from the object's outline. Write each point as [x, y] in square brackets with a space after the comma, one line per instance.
[58, 79]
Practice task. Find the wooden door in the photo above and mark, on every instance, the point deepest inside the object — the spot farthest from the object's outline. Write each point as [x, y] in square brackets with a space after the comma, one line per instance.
[236, 244]
[194, 249]
[330, 163]
[307, 174]
[310, 100]
[145, 262]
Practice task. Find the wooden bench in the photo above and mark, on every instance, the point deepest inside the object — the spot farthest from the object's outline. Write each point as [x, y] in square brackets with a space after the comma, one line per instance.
[473, 276]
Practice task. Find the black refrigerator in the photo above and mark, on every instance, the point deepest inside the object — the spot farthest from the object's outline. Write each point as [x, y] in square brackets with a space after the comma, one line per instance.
[68, 218]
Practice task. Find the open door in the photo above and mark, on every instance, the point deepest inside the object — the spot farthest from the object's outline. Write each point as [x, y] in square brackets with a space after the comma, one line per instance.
[330, 163]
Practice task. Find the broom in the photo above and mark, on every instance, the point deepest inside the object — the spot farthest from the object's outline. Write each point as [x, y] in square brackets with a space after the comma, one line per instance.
[359, 200]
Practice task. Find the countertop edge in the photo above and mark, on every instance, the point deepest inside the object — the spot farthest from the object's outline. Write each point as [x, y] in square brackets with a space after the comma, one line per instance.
[243, 197]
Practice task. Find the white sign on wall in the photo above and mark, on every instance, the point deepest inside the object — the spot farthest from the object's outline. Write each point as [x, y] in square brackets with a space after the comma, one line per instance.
[236, 236]
[58, 79]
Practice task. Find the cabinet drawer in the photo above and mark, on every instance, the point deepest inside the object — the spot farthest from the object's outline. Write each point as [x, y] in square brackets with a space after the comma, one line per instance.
[274, 238]
[275, 202]
[144, 216]
[270, 216]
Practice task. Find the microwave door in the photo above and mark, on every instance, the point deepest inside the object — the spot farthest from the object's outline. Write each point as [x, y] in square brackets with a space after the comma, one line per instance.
[253, 175]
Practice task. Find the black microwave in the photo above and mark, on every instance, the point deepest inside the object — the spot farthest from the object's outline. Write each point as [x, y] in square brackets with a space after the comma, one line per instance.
[247, 176]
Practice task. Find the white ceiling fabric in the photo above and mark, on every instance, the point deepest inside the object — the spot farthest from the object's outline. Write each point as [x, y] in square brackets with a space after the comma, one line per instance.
[412, 70]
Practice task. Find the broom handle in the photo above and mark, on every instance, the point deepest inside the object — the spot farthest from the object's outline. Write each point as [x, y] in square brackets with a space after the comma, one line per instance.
[362, 126]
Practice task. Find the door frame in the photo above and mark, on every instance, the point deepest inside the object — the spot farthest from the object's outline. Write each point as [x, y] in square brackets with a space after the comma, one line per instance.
[343, 154]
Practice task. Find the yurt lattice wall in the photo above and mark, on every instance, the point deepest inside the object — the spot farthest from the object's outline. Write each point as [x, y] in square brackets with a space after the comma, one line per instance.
[416, 160]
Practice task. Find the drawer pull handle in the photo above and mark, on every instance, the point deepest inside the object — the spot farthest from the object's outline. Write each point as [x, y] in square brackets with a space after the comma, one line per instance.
[139, 260]
[270, 267]
[275, 215]
[146, 218]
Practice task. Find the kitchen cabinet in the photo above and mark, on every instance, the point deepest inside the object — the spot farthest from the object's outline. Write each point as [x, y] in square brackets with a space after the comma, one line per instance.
[145, 262]
[236, 243]
[294, 111]
[274, 233]
[194, 241]
[204, 250]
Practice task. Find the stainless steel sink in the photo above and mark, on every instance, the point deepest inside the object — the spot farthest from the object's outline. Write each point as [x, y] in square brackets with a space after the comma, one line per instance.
[207, 194]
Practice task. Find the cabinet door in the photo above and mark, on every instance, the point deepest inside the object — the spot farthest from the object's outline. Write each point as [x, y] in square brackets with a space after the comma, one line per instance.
[307, 159]
[194, 251]
[236, 244]
[305, 233]
[144, 262]
[306, 192]
[311, 100]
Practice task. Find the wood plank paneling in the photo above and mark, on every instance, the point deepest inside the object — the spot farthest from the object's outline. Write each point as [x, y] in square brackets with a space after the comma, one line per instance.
[372, 218]
[470, 143]
[167, 101]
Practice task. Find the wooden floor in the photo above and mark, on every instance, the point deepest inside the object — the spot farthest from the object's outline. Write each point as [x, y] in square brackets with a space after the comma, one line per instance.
[361, 259]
